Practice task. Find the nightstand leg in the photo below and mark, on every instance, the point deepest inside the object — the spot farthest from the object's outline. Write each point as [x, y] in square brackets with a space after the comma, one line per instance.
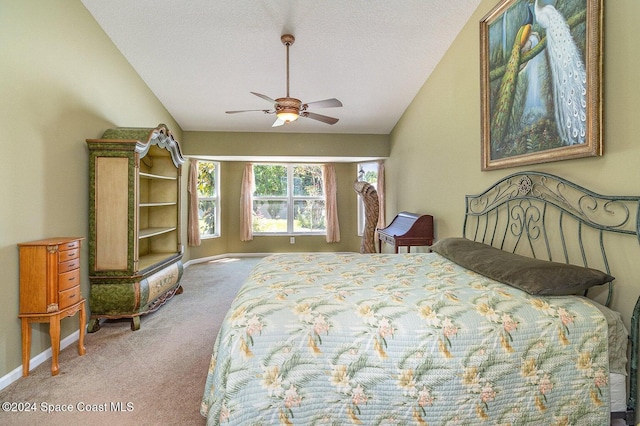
[26, 346]
[83, 321]
[54, 331]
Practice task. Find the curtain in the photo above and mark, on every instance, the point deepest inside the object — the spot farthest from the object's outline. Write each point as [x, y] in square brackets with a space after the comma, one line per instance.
[330, 200]
[193, 231]
[381, 201]
[246, 204]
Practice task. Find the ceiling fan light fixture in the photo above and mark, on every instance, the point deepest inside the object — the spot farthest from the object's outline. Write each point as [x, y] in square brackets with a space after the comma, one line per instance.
[288, 114]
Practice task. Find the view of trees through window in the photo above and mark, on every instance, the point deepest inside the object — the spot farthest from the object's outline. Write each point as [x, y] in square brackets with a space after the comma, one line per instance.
[288, 199]
[207, 198]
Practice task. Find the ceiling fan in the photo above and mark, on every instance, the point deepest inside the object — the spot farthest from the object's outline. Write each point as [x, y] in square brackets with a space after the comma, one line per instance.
[288, 109]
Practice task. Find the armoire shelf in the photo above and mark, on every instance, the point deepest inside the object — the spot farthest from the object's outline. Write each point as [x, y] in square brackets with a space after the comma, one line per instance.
[150, 176]
[159, 204]
[135, 248]
[152, 232]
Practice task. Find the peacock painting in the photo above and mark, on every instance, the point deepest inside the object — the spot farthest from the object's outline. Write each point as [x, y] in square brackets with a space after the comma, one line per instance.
[536, 87]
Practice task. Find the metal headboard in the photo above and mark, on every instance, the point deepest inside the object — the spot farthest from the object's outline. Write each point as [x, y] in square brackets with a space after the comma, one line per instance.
[547, 217]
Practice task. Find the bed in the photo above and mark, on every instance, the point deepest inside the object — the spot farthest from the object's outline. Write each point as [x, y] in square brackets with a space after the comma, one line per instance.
[489, 328]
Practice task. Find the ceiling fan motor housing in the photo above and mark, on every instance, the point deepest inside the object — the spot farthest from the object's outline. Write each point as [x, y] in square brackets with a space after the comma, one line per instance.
[290, 105]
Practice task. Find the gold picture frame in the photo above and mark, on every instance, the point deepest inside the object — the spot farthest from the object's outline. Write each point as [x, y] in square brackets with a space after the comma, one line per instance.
[540, 82]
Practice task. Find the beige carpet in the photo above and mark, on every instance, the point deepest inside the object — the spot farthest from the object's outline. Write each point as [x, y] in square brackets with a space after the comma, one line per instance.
[158, 372]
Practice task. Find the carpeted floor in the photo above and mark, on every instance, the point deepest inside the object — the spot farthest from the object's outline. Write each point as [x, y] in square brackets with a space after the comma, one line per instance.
[157, 373]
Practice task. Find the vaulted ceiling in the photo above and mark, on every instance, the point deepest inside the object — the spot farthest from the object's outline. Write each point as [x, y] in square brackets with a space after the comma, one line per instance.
[204, 57]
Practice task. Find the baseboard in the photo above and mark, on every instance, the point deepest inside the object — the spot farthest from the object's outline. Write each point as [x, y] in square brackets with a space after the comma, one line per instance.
[14, 375]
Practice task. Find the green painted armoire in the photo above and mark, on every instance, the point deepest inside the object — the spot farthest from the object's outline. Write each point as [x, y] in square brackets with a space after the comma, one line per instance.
[135, 249]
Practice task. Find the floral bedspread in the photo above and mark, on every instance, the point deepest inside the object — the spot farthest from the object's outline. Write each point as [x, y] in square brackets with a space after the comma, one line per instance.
[402, 339]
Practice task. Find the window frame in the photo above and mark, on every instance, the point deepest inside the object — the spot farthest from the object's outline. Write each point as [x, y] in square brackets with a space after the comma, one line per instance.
[290, 200]
[215, 198]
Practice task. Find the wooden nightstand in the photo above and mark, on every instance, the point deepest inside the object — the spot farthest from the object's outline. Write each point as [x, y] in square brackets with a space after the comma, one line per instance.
[49, 292]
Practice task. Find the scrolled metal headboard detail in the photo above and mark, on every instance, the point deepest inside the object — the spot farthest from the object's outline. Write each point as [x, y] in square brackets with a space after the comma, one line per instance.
[584, 205]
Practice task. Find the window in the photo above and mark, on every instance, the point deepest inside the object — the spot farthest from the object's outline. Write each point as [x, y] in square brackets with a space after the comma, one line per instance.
[367, 172]
[208, 198]
[288, 199]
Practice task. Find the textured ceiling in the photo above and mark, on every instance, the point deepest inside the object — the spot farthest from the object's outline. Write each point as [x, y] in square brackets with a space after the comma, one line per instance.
[203, 57]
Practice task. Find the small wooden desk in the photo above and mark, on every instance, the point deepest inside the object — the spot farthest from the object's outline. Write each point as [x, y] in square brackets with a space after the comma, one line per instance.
[407, 229]
[53, 319]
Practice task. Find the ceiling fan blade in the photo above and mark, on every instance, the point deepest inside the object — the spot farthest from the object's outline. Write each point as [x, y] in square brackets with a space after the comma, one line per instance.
[319, 117]
[278, 122]
[327, 103]
[266, 111]
[265, 97]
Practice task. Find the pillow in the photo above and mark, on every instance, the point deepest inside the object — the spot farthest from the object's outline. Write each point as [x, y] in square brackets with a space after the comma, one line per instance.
[535, 276]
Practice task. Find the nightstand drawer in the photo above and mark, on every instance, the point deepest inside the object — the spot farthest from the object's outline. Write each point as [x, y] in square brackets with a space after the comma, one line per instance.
[68, 297]
[69, 265]
[68, 280]
[69, 246]
[65, 255]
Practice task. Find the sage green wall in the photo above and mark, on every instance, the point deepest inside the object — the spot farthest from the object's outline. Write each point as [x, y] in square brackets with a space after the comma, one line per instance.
[435, 147]
[269, 145]
[63, 81]
[285, 144]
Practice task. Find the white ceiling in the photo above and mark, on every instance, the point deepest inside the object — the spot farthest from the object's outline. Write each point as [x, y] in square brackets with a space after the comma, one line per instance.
[203, 57]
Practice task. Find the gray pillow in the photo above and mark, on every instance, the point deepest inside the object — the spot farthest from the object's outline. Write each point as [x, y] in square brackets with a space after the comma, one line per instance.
[535, 276]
